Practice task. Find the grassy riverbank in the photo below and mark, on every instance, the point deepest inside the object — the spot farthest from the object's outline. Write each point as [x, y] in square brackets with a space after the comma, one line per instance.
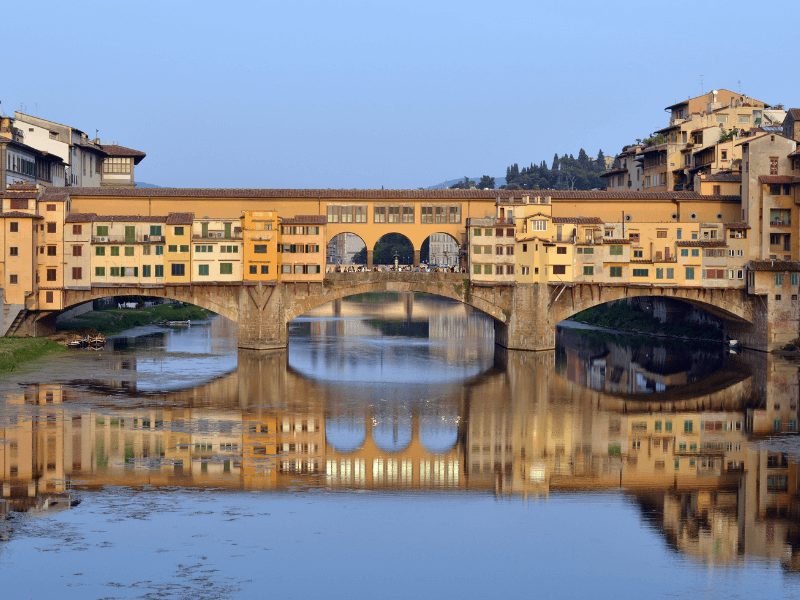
[16, 351]
[114, 320]
[624, 317]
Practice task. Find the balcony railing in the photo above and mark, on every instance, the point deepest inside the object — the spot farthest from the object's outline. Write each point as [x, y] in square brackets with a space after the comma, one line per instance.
[126, 239]
[781, 223]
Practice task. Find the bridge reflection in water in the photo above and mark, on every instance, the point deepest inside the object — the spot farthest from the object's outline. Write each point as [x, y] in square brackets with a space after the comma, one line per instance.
[690, 459]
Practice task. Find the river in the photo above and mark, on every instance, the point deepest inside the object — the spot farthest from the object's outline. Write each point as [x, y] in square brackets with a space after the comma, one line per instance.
[393, 451]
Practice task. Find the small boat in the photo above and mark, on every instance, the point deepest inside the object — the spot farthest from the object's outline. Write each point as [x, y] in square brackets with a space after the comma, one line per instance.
[97, 342]
[733, 343]
[186, 323]
[78, 342]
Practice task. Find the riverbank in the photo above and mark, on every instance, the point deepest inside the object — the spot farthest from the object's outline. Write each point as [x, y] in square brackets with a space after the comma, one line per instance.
[115, 320]
[623, 317]
[17, 351]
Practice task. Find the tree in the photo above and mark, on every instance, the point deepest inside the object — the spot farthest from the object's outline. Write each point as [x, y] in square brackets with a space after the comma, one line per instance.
[486, 183]
[554, 166]
[464, 184]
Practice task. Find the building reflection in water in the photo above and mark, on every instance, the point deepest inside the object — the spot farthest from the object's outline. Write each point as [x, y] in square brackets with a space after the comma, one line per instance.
[701, 459]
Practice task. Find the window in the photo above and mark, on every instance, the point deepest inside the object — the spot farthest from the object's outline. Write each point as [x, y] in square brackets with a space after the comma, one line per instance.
[265, 269]
[498, 250]
[159, 250]
[476, 231]
[13, 251]
[147, 271]
[476, 249]
[178, 269]
[454, 214]
[13, 227]
[51, 274]
[51, 227]
[539, 225]
[661, 233]
[155, 229]
[559, 269]
[773, 165]
[114, 250]
[689, 273]
[641, 272]
[202, 269]
[172, 248]
[178, 231]
[687, 426]
[99, 251]
[77, 273]
[588, 270]
[116, 272]
[260, 249]
[561, 250]
[19, 204]
[48, 297]
[253, 270]
[77, 250]
[226, 268]
[99, 271]
[778, 278]
[51, 251]
[615, 250]
[615, 272]
[638, 253]
[427, 214]
[159, 270]
[128, 250]
[795, 277]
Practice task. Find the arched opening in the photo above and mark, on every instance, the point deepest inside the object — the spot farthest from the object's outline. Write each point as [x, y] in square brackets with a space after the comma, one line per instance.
[441, 250]
[346, 249]
[650, 345]
[393, 247]
[345, 433]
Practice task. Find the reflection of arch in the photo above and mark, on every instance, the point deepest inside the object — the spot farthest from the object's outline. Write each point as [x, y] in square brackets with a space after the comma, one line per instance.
[440, 249]
[391, 244]
[437, 435]
[392, 431]
[346, 248]
[345, 433]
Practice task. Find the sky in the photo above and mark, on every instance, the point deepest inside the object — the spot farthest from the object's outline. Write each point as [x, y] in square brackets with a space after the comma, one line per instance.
[380, 93]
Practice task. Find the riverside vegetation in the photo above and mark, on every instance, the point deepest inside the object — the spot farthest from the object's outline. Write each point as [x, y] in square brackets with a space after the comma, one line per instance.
[15, 351]
[115, 320]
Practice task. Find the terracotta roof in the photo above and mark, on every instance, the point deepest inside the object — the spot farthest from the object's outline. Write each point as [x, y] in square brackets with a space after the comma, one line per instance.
[795, 153]
[93, 217]
[778, 179]
[724, 177]
[180, 218]
[702, 244]
[794, 113]
[579, 220]
[19, 215]
[620, 241]
[656, 148]
[124, 152]
[737, 225]
[305, 220]
[773, 265]
[365, 194]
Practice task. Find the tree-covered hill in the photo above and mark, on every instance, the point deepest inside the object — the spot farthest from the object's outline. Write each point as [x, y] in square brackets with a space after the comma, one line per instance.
[565, 173]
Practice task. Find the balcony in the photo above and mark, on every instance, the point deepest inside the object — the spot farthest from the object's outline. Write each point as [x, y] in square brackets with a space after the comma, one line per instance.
[127, 239]
[781, 223]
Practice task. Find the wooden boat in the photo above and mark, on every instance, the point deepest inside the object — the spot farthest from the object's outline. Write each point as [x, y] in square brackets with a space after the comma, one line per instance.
[78, 342]
[97, 342]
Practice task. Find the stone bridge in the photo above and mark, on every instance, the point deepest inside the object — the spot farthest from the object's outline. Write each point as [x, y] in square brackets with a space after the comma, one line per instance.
[525, 315]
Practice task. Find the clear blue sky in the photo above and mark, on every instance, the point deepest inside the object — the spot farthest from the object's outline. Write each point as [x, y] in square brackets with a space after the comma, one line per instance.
[365, 93]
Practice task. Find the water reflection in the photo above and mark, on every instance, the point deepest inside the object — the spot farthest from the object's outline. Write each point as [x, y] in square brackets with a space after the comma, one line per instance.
[702, 463]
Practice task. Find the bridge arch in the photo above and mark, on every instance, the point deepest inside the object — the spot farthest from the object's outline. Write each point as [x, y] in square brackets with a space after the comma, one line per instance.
[394, 244]
[440, 248]
[726, 304]
[346, 248]
[495, 301]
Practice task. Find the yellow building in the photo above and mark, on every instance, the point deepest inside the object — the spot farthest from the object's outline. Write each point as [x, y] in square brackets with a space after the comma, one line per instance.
[302, 248]
[260, 245]
[217, 250]
[178, 242]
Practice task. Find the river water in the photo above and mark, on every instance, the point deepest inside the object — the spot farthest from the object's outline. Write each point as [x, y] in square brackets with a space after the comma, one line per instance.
[394, 452]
